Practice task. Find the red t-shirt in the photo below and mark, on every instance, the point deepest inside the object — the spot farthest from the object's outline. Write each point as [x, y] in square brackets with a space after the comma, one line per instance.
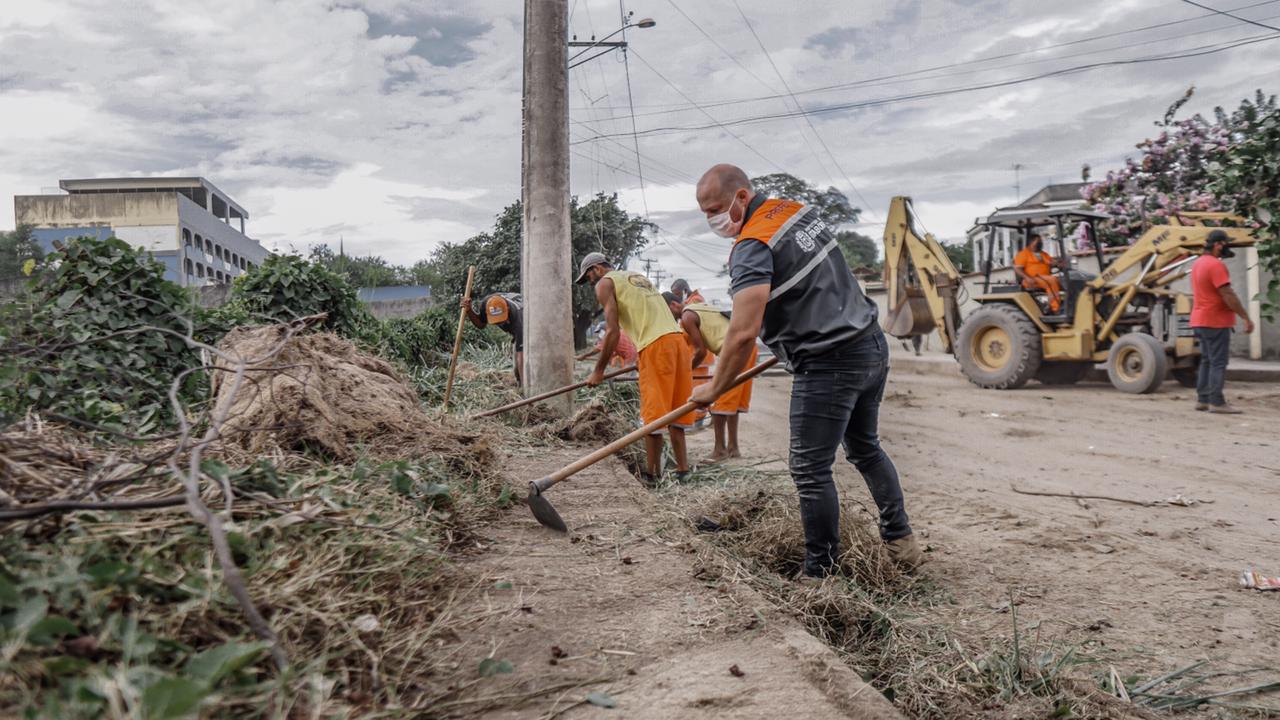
[1208, 310]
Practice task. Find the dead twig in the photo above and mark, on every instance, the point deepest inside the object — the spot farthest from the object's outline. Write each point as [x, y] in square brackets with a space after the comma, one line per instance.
[1078, 496]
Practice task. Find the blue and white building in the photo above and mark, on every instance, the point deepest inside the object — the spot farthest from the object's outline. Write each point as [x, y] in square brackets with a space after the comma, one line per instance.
[193, 228]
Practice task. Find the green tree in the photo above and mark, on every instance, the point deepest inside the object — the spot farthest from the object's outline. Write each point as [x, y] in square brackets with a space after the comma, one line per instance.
[832, 203]
[600, 225]
[367, 271]
[17, 248]
[858, 249]
[961, 255]
[1247, 182]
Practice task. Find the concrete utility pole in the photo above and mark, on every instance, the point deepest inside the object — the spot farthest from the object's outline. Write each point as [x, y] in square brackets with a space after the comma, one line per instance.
[546, 275]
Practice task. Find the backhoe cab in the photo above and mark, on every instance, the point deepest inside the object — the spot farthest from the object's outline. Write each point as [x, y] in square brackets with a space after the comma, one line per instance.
[1126, 316]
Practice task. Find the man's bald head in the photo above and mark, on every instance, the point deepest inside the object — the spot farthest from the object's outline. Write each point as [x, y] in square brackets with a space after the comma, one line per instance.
[719, 186]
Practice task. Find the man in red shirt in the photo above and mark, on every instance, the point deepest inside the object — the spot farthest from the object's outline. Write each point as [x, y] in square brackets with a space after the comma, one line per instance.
[1213, 316]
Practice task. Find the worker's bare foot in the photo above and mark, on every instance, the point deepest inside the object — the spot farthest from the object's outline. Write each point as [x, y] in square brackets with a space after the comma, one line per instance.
[716, 457]
[1225, 409]
[734, 453]
[1202, 406]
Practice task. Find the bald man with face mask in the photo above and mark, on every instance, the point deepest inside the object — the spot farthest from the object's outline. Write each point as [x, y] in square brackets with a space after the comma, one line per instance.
[792, 287]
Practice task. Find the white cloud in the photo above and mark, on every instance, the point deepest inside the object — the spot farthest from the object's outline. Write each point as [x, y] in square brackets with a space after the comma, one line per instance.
[396, 123]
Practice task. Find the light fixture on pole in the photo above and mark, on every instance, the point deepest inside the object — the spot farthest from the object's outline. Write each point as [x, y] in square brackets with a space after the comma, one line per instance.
[604, 42]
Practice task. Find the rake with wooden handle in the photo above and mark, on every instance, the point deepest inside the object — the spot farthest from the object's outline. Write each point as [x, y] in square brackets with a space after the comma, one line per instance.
[542, 509]
[457, 339]
[549, 394]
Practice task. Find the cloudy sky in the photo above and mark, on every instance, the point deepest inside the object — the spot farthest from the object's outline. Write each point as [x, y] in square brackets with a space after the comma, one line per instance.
[395, 124]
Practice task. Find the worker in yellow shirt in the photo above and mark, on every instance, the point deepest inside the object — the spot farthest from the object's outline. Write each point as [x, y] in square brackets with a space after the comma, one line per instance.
[706, 326]
[632, 305]
[688, 296]
[1034, 268]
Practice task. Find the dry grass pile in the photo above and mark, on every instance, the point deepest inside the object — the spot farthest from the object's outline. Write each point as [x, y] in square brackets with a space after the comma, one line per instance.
[41, 462]
[592, 423]
[877, 618]
[322, 393]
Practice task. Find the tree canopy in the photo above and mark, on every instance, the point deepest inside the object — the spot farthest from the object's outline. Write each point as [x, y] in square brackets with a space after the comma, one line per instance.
[17, 248]
[600, 225]
[1227, 163]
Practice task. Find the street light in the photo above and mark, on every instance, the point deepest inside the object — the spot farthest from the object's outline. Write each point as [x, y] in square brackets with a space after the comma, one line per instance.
[608, 46]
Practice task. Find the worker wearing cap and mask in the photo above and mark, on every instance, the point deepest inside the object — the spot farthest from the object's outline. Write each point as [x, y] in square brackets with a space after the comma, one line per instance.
[632, 305]
[791, 285]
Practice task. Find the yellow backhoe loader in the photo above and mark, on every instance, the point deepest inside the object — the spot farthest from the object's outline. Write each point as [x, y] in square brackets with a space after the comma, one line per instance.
[1126, 317]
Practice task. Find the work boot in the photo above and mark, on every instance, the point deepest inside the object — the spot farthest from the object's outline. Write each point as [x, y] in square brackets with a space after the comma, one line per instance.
[906, 552]
[1225, 409]
[1202, 406]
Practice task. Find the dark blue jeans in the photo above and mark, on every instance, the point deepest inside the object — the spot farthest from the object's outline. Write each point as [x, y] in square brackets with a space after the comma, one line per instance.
[1215, 350]
[835, 400]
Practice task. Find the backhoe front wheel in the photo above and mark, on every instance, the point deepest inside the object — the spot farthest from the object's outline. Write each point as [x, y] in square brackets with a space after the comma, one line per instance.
[999, 347]
[1137, 363]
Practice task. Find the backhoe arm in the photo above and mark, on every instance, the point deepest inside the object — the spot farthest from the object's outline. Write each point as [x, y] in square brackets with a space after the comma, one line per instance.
[921, 281]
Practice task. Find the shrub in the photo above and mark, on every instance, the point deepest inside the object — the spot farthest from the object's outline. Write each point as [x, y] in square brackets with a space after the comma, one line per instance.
[100, 342]
[286, 287]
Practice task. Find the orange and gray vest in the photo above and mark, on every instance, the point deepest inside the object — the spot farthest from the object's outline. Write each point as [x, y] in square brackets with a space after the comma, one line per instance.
[815, 304]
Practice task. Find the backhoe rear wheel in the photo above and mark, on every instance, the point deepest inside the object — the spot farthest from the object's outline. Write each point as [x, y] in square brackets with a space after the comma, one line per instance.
[999, 347]
[1063, 372]
[1137, 363]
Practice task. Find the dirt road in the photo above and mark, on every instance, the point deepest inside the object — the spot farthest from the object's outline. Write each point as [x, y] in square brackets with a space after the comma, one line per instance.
[621, 607]
[1151, 589]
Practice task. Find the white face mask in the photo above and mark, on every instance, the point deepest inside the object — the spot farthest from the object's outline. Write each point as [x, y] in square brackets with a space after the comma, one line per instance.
[723, 224]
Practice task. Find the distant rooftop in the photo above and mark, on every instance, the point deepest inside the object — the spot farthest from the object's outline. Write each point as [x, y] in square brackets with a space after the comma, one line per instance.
[1061, 192]
[81, 186]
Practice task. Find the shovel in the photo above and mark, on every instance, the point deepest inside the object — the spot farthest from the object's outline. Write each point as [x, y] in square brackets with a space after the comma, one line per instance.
[549, 394]
[542, 509]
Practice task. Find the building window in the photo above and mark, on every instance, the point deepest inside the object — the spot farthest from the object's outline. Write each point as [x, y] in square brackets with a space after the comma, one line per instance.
[208, 246]
[244, 264]
[200, 270]
[235, 260]
[190, 267]
[186, 237]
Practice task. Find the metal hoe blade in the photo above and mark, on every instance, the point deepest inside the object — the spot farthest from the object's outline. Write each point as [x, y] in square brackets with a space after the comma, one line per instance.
[543, 511]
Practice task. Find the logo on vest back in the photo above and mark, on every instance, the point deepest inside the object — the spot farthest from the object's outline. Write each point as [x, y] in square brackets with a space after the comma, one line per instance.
[640, 281]
[807, 238]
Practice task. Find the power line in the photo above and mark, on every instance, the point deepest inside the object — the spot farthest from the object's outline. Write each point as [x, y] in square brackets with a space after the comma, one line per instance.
[631, 103]
[1233, 17]
[878, 102]
[947, 66]
[800, 107]
[713, 119]
[749, 71]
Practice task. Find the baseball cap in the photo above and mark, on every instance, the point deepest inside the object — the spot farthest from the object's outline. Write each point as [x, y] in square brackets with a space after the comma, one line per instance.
[496, 310]
[1218, 237]
[588, 262]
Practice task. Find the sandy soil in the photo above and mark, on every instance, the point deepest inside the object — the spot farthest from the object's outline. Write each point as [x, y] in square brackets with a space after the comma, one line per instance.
[622, 607]
[1151, 589]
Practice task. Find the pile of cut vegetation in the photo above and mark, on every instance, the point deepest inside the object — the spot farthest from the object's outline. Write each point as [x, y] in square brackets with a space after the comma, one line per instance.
[319, 392]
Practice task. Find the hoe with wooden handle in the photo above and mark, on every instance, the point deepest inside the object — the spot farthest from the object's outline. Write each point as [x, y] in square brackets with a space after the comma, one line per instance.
[542, 509]
[549, 394]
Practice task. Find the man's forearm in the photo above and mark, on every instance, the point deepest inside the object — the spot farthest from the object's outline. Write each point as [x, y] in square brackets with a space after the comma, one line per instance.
[1232, 301]
[732, 361]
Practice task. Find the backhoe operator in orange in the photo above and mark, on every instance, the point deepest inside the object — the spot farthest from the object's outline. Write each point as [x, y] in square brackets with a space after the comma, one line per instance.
[1034, 268]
